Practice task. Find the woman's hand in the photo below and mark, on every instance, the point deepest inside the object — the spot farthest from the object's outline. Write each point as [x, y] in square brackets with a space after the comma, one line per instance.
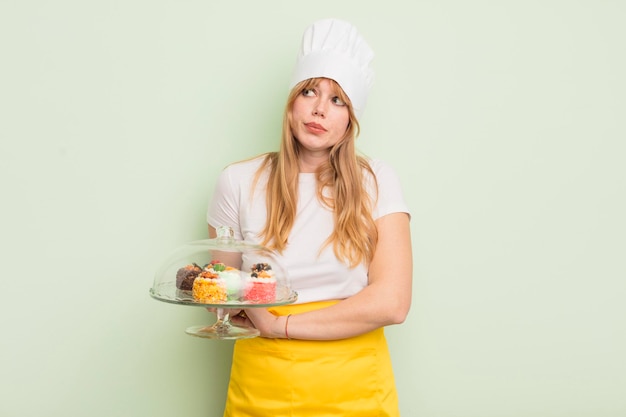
[268, 324]
[230, 311]
[241, 319]
[237, 316]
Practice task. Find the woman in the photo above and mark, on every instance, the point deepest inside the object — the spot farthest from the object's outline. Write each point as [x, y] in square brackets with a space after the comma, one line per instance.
[341, 228]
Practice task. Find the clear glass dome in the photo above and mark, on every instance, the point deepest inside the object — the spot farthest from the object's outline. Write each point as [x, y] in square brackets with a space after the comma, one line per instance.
[222, 272]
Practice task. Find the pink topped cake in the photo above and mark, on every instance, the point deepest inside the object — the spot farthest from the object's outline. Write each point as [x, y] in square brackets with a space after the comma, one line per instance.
[261, 285]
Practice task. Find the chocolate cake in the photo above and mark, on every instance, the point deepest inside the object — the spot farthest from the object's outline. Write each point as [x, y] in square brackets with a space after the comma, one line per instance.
[186, 276]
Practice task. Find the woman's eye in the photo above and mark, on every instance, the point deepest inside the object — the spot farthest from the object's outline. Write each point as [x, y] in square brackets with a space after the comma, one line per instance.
[338, 101]
[308, 92]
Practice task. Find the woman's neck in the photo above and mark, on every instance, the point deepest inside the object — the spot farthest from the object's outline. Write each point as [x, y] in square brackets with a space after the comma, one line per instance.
[310, 163]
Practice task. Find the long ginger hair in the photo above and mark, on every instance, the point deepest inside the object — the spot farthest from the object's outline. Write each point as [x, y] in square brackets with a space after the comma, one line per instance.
[341, 186]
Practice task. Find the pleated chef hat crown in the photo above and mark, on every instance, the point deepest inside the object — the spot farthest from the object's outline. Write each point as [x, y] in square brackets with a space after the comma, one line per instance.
[334, 49]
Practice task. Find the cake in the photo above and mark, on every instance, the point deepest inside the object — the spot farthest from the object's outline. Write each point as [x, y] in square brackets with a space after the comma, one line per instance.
[218, 283]
[232, 280]
[261, 284]
[186, 275]
[208, 287]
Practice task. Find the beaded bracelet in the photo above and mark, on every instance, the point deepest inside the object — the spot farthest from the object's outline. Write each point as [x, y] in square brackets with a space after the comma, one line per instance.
[287, 324]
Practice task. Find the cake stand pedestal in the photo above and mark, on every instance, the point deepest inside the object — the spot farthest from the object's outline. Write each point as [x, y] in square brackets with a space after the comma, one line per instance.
[223, 328]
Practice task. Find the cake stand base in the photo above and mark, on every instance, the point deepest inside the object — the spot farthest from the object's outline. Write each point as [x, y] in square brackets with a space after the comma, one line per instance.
[223, 331]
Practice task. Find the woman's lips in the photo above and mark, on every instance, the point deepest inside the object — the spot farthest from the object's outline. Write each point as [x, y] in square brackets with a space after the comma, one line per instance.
[314, 127]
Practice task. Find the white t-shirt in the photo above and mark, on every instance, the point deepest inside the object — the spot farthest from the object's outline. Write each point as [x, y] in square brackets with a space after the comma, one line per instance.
[315, 275]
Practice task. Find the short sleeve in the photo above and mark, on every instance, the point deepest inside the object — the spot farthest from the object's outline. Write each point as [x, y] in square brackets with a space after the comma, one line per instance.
[223, 208]
[390, 195]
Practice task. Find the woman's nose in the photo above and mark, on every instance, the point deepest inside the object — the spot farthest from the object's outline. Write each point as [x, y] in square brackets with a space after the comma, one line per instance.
[319, 109]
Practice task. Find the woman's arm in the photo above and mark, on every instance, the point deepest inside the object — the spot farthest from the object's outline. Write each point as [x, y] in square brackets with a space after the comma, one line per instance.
[386, 300]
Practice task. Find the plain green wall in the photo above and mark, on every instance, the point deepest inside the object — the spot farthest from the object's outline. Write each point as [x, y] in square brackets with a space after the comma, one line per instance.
[504, 119]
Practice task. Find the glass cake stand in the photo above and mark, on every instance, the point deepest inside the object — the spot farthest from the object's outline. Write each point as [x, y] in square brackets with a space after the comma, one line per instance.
[240, 257]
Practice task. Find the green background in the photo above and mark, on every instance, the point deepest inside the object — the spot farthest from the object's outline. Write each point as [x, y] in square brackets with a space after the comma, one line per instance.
[504, 119]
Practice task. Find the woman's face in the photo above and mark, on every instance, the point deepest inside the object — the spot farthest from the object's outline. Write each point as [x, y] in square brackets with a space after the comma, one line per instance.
[319, 118]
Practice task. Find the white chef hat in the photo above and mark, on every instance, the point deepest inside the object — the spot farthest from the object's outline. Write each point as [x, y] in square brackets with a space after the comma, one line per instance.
[334, 49]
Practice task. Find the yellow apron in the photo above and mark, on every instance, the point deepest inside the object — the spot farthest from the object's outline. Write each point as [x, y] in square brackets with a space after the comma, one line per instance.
[301, 378]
